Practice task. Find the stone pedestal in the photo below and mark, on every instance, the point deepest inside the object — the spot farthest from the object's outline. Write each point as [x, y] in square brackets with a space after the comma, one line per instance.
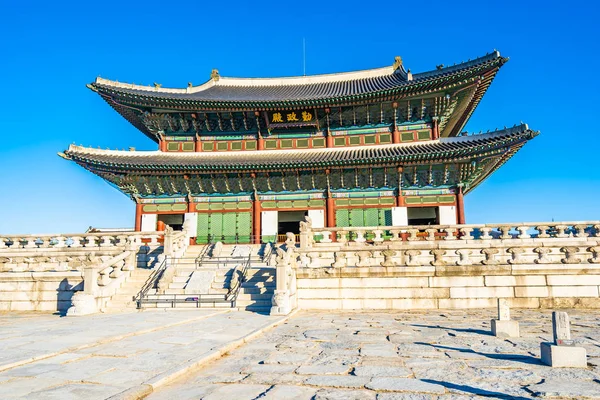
[505, 328]
[281, 303]
[563, 356]
[83, 304]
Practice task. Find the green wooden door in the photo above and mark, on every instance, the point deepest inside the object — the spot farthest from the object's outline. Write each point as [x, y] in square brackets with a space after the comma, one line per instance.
[203, 229]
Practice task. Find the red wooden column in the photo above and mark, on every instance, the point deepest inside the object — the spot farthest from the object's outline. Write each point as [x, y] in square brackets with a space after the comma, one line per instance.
[395, 132]
[198, 144]
[260, 142]
[256, 217]
[328, 137]
[435, 129]
[330, 210]
[138, 217]
[460, 207]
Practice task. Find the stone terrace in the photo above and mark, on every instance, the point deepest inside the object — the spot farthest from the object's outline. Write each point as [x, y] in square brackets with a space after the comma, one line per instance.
[396, 355]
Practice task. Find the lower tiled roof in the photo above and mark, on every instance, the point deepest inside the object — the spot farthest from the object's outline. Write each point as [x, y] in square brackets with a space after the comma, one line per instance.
[445, 149]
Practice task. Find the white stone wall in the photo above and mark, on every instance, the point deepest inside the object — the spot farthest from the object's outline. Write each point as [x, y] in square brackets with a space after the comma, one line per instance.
[38, 291]
[423, 288]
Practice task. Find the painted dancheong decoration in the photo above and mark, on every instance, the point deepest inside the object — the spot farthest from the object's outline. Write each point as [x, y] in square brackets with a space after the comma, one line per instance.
[247, 159]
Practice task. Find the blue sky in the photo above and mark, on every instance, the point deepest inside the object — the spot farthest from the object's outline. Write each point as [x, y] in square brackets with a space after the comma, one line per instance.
[50, 50]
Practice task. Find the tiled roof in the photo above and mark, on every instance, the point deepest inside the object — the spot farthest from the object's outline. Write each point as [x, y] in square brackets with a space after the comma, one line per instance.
[314, 90]
[445, 149]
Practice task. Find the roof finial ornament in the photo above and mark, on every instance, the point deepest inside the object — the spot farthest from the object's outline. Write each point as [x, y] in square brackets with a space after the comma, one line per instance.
[189, 84]
[157, 85]
[397, 62]
[214, 75]
[439, 66]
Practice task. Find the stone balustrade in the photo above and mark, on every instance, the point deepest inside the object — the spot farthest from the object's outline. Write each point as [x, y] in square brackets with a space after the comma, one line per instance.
[38, 253]
[459, 245]
[356, 236]
[102, 280]
[42, 272]
[103, 240]
[553, 264]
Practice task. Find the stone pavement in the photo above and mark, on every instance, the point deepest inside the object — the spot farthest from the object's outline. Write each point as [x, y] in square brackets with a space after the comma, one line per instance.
[99, 356]
[397, 355]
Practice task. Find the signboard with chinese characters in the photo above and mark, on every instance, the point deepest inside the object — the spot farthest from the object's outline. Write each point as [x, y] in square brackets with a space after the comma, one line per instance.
[288, 118]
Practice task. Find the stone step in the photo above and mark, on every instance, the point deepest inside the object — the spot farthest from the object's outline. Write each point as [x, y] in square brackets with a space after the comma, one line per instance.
[122, 298]
[174, 291]
[256, 290]
[255, 297]
[256, 309]
[257, 303]
[177, 285]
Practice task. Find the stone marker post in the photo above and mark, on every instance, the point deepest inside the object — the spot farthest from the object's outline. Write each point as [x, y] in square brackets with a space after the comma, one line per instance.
[503, 326]
[562, 353]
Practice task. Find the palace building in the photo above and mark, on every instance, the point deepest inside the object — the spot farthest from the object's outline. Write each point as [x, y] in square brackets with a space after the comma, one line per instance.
[247, 159]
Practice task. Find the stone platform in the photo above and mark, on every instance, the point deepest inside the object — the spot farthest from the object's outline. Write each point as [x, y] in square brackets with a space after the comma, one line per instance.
[187, 354]
[104, 355]
[398, 355]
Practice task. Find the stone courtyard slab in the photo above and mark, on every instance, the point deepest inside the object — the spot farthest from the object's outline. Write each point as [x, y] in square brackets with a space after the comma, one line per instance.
[398, 355]
[99, 356]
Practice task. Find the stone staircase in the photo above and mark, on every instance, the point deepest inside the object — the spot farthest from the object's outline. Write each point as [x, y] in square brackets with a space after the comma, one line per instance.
[214, 278]
[123, 300]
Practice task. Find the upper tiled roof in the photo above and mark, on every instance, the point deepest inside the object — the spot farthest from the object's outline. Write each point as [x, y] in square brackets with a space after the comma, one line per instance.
[149, 162]
[314, 90]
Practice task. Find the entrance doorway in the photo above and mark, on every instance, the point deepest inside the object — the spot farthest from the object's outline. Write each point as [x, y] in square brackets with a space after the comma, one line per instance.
[423, 216]
[175, 221]
[289, 221]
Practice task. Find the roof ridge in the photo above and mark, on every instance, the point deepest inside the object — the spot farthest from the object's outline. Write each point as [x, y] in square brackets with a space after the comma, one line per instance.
[221, 81]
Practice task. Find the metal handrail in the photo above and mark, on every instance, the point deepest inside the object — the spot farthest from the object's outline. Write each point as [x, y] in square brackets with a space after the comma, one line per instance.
[233, 292]
[202, 255]
[150, 283]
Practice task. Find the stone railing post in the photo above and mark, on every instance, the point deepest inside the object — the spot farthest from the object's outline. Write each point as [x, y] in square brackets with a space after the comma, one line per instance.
[523, 232]
[280, 303]
[168, 242]
[84, 302]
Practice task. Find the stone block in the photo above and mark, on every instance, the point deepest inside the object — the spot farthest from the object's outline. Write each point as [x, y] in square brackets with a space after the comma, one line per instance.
[455, 281]
[512, 280]
[318, 304]
[555, 269]
[481, 292]
[573, 280]
[352, 304]
[467, 303]
[531, 291]
[523, 302]
[22, 306]
[563, 356]
[318, 283]
[375, 304]
[414, 304]
[384, 282]
[573, 291]
[505, 328]
[375, 292]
